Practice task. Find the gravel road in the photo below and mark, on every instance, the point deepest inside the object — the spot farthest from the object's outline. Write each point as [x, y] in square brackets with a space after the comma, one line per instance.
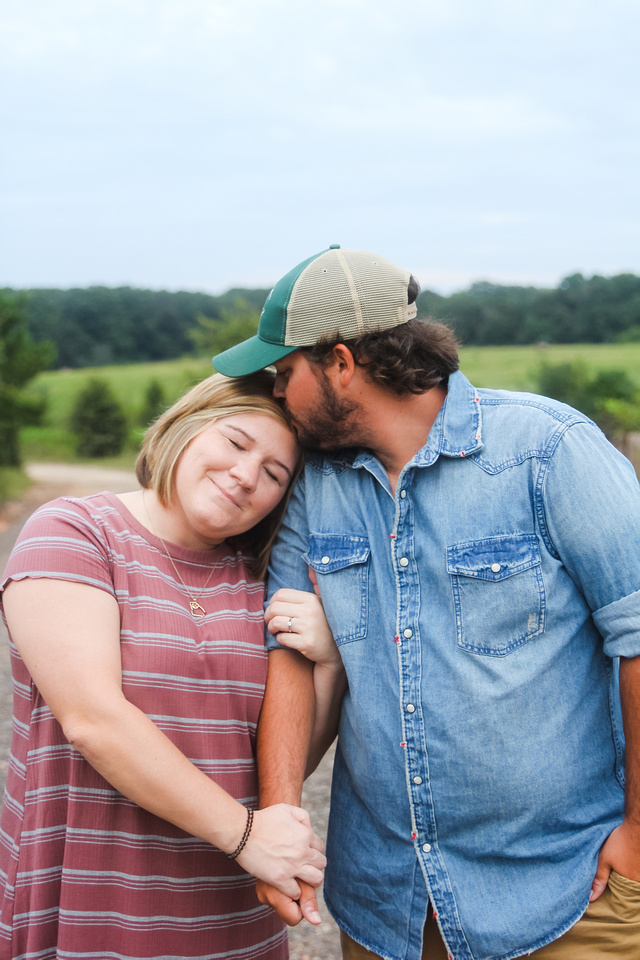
[54, 480]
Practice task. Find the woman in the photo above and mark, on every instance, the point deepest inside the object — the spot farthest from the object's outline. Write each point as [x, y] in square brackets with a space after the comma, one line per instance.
[139, 668]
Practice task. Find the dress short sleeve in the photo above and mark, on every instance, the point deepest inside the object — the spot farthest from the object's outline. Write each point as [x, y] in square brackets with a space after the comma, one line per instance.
[62, 541]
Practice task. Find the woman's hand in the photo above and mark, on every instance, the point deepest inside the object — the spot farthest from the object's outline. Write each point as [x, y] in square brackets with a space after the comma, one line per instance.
[283, 846]
[296, 619]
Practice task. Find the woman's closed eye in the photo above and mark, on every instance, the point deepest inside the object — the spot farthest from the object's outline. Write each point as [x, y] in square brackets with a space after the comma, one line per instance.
[273, 476]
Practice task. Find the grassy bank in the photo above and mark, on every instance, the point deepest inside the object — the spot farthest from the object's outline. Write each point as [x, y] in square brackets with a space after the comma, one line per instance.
[13, 484]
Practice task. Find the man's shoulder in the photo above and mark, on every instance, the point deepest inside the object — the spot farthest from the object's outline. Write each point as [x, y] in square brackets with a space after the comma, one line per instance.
[534, 406]
[515, 425]
[530, 417]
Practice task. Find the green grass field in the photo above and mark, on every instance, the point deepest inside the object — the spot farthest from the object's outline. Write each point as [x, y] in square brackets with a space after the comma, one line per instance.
[512, 368]
[128, 383]
[515, 368]
[53, 441]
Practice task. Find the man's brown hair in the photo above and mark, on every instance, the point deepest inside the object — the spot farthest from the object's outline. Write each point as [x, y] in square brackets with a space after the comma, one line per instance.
[411, 358]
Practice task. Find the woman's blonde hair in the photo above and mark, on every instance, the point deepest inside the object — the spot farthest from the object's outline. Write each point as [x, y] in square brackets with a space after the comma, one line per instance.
[167, 438]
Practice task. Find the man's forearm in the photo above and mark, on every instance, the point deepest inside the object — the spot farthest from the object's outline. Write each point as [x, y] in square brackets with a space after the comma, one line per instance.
[285, 727]
[330, 684]
[630, 699]
[621, 850]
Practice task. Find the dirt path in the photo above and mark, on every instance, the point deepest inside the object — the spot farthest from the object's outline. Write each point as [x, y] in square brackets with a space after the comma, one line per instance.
[52, 480]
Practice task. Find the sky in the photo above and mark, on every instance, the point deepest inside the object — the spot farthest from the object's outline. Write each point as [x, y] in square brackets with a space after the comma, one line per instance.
[211, 144]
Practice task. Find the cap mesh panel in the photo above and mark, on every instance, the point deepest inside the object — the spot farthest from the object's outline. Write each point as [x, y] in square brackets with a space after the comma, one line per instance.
[322, 306]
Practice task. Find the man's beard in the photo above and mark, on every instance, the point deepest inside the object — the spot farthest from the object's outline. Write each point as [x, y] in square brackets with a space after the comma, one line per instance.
[332, 426]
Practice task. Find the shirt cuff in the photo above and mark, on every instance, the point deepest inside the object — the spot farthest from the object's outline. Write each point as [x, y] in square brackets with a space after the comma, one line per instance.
[271, 643]
[619, 624]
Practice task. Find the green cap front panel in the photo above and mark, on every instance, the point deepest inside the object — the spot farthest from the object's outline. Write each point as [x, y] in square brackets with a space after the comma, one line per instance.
[273, 320]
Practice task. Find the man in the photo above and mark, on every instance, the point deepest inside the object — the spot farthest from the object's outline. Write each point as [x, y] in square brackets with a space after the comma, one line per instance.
[478, 557]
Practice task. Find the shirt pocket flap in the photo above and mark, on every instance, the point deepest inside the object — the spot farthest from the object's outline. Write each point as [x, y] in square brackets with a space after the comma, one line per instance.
[495, 558]
[329, 552]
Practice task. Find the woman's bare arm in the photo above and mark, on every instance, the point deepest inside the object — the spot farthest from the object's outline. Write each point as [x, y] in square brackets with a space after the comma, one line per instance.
[68, 635]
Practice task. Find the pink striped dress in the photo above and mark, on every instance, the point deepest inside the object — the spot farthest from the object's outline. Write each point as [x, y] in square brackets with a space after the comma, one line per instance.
[84, 872]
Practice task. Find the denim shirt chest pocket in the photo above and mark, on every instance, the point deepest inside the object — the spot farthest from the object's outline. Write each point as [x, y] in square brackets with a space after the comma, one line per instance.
[341, 564]
[498, 593]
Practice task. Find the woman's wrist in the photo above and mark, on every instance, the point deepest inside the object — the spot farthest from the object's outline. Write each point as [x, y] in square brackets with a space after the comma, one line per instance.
[229, 828]
[245, 836]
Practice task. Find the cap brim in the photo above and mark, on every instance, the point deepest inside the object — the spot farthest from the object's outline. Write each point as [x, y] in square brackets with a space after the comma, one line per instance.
[249, 356]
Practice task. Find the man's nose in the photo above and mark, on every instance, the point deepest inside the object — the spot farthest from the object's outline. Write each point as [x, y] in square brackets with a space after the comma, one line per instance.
[278, 386]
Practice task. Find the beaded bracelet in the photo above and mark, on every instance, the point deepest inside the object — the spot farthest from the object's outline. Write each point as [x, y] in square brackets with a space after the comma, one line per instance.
[245, 836]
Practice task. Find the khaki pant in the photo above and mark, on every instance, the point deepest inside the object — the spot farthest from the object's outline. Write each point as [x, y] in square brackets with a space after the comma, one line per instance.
[609, 929]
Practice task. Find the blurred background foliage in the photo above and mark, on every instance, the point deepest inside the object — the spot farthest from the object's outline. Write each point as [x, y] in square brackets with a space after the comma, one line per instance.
[84, 371]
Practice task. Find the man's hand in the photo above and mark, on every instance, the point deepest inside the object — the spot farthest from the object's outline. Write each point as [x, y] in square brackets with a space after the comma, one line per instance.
[291, 911]
[620, 852]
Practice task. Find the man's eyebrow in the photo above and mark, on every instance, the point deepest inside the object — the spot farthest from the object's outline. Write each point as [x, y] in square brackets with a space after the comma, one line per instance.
[253, 440]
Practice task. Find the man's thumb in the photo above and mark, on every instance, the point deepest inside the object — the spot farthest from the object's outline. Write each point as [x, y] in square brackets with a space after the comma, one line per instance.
[309, 905]
[600, 881]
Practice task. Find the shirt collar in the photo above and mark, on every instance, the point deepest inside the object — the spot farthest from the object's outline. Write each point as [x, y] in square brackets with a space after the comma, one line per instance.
[456, 432]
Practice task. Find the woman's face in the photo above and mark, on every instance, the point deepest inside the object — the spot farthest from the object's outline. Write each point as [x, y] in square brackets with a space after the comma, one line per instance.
[232, 475]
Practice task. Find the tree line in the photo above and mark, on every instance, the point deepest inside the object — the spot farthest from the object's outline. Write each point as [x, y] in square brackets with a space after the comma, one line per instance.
[579, 310]
[97, 326]
[100, 426]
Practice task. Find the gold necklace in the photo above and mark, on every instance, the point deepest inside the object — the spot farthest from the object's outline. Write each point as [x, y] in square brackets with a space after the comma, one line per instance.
[197, 610]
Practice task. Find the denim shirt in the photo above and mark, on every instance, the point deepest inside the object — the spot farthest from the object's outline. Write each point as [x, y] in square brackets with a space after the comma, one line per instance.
[479, 613]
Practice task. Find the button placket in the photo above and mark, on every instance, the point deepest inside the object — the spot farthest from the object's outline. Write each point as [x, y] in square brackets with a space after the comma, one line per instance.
[407, 611]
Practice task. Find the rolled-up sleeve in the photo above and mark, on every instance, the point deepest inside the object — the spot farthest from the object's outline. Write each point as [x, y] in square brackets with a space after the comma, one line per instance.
[619, 624]
[591, 506]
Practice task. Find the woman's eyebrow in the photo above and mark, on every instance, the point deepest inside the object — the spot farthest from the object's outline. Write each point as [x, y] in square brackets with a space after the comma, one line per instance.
[243, 432]
[252, 439]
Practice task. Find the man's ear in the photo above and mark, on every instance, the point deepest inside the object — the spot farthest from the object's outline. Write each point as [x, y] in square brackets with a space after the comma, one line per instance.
[342, 365]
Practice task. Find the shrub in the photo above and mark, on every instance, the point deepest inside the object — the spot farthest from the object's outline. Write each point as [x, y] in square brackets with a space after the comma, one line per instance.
[153, 404]
[610, 397]
[98, 421]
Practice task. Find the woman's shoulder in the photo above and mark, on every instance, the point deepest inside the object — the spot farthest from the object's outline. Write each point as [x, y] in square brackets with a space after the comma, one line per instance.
[72, 512]
[67, 538]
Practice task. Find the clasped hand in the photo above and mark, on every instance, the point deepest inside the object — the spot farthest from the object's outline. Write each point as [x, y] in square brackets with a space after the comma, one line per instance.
[282, 847]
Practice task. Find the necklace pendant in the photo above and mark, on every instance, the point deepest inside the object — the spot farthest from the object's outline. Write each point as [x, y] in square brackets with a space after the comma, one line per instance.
[197, 610]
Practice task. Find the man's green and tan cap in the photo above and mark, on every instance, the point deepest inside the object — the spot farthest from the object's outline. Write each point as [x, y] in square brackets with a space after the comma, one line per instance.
[334, 294]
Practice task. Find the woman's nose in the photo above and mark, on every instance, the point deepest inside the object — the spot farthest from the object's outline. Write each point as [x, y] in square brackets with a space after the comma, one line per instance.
[246, 472]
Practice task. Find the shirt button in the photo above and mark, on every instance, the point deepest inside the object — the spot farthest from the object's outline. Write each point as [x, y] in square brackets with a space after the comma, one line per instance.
[411, 708]
[404, 562]
[407, 634]
[325, 560]
[417, 779]
[403, 494]
[426, 847]
[496, 568]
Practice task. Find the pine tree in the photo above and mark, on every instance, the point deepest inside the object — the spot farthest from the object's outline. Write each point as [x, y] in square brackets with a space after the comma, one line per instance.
[98, 420]
[20, 360]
